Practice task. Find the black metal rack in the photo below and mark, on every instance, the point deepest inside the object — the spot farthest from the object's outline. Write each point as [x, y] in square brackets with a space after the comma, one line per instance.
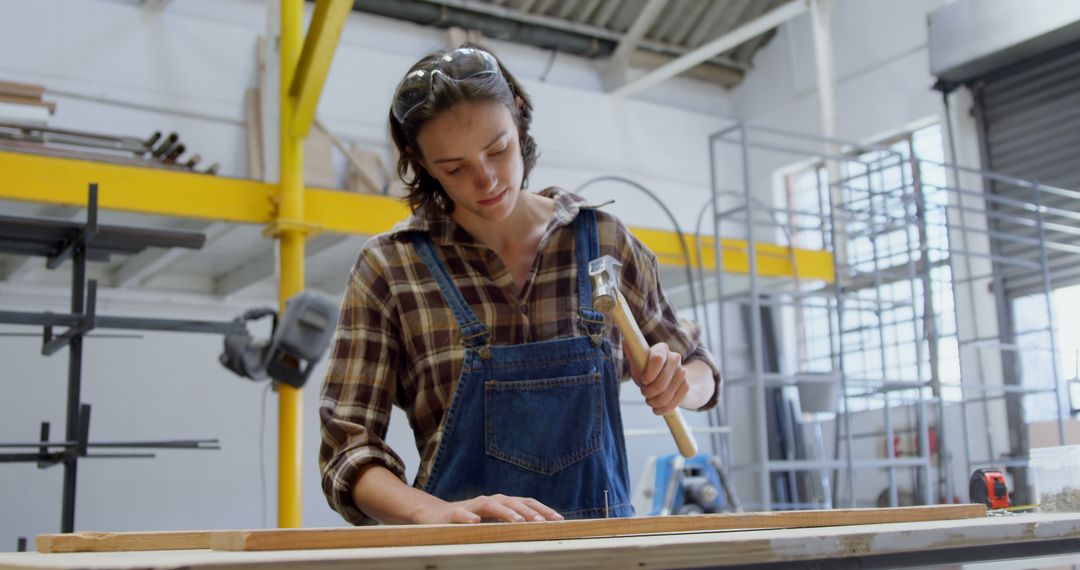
[59, 241]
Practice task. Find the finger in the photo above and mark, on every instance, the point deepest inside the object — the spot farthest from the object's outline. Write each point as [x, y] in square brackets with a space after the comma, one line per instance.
[673, 385]
[667, 376]
[547, 512]
[463, 516]
[520, 507]
[655, 388]
[675, 401]
[657, 358]
[493, 508]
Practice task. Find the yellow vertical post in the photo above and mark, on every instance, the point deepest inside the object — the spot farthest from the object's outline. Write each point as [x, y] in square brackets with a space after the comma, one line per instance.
[291, 246]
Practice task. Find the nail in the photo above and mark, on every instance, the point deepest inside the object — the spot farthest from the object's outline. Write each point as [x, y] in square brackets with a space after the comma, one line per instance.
[538, 518]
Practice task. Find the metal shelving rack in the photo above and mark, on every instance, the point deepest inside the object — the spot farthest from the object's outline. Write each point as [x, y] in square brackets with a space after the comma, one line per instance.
[58, 242]
[987, 250]
[892, 232]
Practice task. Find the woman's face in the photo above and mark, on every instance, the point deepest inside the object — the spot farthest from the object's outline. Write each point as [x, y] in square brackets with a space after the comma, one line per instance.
[472, 149]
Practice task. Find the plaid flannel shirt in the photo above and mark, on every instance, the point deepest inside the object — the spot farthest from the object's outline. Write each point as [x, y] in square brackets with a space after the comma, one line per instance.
[397, 342]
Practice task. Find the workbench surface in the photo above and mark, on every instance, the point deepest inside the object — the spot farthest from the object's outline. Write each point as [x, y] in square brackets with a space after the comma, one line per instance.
[877, 545]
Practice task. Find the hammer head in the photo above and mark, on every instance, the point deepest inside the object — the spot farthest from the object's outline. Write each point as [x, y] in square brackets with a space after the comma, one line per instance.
[604, 272]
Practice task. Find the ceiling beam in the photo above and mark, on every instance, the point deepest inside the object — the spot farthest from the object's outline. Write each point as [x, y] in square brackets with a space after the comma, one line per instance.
[737, 36]
[733, 12]
[679, 33]
[585, 9]
[591, 30]
[748, 49]
[667, 21]
[648, 60]
[705, 23]
[619, 64]
[563, 12]
[603, 16]
[543, 6]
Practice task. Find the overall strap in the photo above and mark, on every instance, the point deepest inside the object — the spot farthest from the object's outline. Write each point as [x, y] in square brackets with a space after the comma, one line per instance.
[474, 334]
[587, 246]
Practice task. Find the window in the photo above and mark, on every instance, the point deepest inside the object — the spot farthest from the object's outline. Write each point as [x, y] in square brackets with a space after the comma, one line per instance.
[1068, 331]
[1036, 359]
[882, 335]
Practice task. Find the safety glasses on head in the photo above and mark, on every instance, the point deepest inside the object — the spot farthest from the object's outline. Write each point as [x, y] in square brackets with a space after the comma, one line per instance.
[457, 65]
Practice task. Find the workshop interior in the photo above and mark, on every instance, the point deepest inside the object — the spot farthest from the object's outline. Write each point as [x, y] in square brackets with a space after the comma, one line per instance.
[869, 209]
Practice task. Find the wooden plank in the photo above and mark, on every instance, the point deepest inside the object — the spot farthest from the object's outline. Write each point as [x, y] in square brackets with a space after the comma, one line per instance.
[21, 89]
[906, 544]
[428, 535]
[124, 541]
[416, 535]
[253, 134]
[20, 100]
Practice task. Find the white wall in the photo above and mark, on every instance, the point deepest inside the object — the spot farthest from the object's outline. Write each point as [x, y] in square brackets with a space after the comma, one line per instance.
[882, 74]
[114, 67]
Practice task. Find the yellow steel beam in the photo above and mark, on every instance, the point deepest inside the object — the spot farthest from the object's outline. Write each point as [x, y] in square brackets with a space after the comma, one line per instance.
[63, 181]
[319, 46]
[170, 193]
[350, 213]
[291, 248]
[773, 260]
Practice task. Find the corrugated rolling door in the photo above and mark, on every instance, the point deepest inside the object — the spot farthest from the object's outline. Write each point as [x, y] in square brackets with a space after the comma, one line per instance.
[1030, 122]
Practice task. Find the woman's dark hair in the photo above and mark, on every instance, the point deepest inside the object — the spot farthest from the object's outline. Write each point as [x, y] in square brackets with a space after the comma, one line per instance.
[426, 195]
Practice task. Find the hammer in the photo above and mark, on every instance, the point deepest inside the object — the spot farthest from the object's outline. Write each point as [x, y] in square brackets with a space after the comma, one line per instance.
[608, 298]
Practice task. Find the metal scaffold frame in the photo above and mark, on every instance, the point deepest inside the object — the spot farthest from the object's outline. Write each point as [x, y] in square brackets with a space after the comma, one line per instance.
[892, 234]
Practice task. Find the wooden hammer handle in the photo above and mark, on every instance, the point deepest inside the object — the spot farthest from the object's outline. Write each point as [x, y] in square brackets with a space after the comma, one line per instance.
[639, 353]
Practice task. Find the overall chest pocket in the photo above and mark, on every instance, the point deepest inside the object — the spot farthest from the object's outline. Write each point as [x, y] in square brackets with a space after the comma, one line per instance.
[544, 425]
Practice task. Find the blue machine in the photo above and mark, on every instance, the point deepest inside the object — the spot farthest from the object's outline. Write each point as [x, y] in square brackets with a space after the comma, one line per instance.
[675, 485]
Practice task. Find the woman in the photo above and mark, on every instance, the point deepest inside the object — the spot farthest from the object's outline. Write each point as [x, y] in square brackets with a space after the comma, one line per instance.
[474, 316]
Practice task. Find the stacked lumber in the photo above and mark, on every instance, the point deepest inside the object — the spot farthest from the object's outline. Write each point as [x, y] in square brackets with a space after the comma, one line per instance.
[24, 103]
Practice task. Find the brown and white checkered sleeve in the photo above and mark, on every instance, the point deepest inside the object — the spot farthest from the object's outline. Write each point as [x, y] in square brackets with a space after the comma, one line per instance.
[360, 385]
[657, 316]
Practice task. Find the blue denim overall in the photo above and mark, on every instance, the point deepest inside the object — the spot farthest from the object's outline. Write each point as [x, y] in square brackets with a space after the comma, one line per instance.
[536, 420]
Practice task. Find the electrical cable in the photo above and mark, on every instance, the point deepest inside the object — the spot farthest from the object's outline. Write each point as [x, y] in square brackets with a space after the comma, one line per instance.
[550, 64]
[674, 222]
[716, 416]
[686, 258]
